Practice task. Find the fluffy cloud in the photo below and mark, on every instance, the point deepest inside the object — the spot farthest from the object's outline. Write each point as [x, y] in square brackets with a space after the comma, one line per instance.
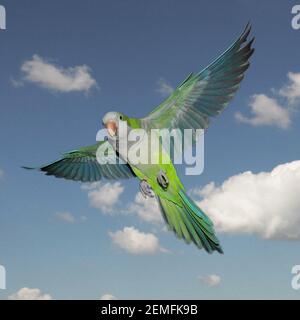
[53, 77]
[292, 90]
[29, 294]
[211, 280]
[134, 241]
[108, 296]
[65, 216]
[104, 196]
[266, 111]
[266, 204]
[275, 111]
[146, 209]
[164, 88]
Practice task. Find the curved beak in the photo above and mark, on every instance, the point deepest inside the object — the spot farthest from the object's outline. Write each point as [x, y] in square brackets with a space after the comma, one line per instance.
[112, 128]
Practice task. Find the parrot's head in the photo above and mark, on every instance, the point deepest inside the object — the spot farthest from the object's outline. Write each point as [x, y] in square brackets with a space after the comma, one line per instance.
[111, 121]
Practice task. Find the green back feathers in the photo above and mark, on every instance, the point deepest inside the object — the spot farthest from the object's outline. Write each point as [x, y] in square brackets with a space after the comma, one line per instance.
[134, 123]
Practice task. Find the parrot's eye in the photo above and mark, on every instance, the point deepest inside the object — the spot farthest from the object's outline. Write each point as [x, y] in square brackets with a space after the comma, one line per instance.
[121, 117]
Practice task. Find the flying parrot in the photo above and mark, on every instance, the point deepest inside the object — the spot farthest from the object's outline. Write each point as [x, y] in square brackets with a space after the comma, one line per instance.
[200, 96]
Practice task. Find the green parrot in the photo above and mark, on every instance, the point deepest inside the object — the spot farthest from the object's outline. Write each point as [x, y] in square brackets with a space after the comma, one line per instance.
[199, 97]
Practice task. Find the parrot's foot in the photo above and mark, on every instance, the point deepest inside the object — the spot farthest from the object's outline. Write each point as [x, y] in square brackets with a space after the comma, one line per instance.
[162, 179]
[146, 189]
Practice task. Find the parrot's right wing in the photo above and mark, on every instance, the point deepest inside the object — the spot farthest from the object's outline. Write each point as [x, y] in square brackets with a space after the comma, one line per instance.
[206, 93]
[82, 165]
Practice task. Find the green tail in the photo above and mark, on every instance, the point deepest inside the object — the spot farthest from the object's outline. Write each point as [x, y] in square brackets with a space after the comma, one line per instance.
[189, 222]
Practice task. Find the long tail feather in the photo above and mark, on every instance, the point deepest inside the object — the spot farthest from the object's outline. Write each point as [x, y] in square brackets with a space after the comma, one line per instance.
[189, 222]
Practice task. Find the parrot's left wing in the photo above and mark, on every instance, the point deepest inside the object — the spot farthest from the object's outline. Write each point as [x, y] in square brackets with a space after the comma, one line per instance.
[204, 94]
[82, 165]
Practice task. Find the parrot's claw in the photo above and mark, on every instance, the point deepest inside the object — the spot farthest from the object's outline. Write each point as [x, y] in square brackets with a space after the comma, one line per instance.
[146, 189]
[162, 179]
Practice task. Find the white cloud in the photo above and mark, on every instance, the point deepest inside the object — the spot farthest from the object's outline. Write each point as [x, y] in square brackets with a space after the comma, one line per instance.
[146, 209]
[29, 294]
[266, 204]
[266, 111]
[108, 296]
[53, 77]
[164, 88]
[291, 91]
[90, 185]
[104, 196]
[275, 111]
[16, 83]
[211, 280]
[134, 241]
[65, 216]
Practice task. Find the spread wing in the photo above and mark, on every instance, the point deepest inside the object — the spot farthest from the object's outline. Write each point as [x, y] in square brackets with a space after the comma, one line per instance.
[204, 94]
[82, 165]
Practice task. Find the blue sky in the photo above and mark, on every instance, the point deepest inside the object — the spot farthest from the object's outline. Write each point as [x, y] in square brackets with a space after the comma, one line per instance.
[129, 46]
